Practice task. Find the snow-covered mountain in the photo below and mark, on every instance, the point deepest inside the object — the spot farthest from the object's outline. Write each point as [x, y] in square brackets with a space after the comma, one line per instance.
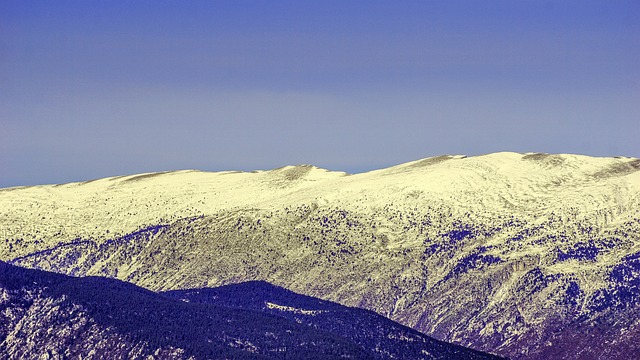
[524, 255]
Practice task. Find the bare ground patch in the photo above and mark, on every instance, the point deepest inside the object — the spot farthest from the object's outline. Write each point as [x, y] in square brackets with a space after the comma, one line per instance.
[145, 176]
[431, 161]
[544, 158]
[620, 169]
[297, 172]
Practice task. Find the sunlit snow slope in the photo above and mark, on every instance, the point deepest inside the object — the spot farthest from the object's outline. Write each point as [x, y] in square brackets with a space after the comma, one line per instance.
[524, 255]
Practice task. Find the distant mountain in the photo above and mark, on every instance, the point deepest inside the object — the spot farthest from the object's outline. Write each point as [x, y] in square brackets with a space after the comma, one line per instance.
[530, 256]
[50, 315]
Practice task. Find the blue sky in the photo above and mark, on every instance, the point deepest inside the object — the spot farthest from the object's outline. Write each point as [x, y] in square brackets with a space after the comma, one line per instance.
[99, 88]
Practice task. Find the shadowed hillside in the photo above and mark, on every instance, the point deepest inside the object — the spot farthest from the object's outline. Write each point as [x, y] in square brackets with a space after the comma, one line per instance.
[385, 338]
[47, 314]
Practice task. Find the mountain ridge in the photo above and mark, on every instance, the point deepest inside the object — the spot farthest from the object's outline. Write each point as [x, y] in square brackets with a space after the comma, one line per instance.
[419, 162]
[492, 252]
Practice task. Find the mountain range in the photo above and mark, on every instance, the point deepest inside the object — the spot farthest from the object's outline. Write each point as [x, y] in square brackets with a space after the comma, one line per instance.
[528, 256]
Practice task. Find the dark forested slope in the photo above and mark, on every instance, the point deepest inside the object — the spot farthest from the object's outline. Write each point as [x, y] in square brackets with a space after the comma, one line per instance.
[48, 314]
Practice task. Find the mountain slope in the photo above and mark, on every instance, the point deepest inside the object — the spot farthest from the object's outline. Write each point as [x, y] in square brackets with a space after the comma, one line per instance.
[386, 339]
[46, 314]
[496, 252]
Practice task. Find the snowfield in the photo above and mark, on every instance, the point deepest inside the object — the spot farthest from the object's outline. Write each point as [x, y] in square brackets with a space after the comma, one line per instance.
[517, 254]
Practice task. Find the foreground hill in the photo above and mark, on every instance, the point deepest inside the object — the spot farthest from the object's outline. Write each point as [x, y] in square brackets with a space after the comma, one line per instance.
[382, 337]
[46, 314]
[531, 256]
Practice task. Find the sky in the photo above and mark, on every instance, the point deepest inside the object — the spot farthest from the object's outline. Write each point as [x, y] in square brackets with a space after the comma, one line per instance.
[91, 89]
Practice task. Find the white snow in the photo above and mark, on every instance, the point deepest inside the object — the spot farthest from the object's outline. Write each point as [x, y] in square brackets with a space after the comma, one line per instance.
[481, 185]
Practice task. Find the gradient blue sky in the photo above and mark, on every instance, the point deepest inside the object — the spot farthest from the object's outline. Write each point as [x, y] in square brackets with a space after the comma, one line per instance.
[91, 89]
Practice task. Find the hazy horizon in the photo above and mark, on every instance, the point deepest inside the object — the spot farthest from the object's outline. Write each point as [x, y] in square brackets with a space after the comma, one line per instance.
[105, 88]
